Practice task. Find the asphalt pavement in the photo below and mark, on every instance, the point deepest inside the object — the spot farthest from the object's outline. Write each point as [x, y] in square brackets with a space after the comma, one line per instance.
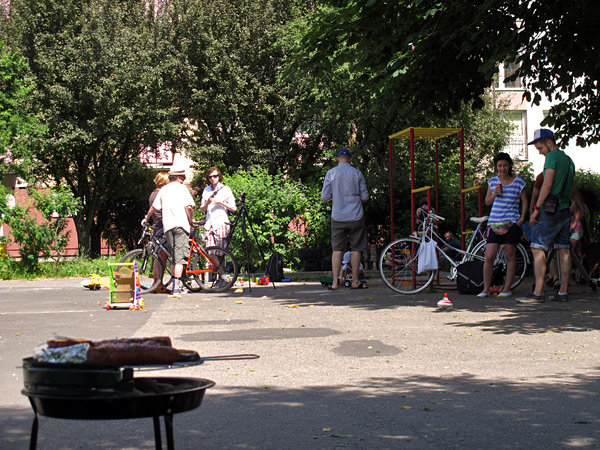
[360, 369]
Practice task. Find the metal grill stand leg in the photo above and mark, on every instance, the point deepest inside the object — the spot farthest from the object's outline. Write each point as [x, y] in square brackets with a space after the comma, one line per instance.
[169, 431]
[157, 438]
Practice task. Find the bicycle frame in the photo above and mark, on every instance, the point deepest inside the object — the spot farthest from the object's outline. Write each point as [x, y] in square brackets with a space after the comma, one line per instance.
[154, 242]
[400, 272]
[194, 246]
[467, 253]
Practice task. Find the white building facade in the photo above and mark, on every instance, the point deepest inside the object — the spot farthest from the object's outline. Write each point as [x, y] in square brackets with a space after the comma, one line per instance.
[527, 118]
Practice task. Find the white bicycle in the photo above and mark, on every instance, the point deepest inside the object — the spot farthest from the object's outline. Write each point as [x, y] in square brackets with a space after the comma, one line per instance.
[398, 262]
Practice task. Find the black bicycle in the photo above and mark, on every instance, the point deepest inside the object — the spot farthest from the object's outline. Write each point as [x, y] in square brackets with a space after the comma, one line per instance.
[151, 269]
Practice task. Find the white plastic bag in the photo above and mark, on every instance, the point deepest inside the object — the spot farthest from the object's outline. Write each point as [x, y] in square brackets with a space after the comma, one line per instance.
[427, 256]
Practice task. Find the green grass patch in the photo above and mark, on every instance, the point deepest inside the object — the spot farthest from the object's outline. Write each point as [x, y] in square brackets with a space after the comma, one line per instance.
[11, 269]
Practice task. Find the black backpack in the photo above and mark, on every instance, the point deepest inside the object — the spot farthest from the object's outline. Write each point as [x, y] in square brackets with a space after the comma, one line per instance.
[469, 277]
[275, 267]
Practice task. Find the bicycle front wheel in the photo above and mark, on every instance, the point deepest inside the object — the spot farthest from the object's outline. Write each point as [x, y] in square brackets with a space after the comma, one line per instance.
[150, 268]
[398, 264]
[522, 262]
[222, 270]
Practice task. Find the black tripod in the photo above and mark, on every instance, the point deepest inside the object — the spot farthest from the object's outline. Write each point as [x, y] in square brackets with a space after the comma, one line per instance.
[243, 214]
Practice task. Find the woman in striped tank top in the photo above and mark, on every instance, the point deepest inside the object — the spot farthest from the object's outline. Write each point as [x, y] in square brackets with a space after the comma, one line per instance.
[504, 225]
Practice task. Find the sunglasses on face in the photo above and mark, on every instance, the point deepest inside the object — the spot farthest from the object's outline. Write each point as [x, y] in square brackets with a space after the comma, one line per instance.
[213, 176]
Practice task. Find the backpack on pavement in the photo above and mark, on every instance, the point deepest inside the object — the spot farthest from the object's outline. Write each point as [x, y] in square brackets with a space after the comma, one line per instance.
[469, 277]
[275, 267]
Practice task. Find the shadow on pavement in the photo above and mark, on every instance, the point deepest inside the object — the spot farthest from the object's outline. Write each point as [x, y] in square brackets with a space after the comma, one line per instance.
[375, 413]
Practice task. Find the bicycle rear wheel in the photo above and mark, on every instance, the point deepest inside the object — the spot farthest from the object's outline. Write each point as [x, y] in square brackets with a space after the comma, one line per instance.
[223, 273]
[522, 262]
[146, 262]
[398, 264]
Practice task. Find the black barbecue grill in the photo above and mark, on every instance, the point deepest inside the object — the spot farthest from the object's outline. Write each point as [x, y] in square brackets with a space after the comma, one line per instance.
[91, 392]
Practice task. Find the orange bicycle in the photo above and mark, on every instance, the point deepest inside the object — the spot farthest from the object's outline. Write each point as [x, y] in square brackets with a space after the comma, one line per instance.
[209, 268]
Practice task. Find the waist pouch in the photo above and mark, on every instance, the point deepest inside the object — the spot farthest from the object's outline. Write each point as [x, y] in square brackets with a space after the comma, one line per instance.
[501, 228]
[551, 204]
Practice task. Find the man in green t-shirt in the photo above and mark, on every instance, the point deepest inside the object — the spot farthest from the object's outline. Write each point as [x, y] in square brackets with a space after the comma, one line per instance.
[551, 228]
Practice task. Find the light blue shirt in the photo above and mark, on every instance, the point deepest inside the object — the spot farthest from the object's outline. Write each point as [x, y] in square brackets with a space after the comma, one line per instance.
[506, 205]
[347, 188]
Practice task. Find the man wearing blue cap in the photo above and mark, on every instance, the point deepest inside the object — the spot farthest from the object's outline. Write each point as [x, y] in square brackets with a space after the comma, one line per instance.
[347, 188]
[550, 220]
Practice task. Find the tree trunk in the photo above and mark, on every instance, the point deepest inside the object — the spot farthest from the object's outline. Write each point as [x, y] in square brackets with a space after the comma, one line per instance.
[83, 234]
[96, 240]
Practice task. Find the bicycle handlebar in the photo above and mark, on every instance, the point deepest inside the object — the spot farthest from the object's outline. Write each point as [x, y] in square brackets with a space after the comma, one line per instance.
[435, 216]
[148, 230]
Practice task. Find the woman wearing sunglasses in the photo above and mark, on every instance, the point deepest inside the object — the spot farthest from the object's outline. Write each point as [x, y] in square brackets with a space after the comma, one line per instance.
[217, 200]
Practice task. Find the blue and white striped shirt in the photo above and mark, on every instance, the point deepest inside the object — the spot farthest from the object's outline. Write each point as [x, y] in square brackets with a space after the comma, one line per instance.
[506, 205]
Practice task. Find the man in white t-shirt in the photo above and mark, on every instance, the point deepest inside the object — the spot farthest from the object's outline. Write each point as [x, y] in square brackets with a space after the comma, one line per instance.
[175, 202]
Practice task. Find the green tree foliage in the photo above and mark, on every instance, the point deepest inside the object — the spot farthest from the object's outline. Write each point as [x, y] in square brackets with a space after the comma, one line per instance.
[104, 74]
[44, 237]
[128, 205]
[285, 216]
[241, 115]
[588, 184]
[433, 55]
[358, 101]
[15, 122]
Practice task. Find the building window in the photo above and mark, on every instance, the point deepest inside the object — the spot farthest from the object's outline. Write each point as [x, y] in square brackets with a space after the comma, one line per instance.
[507, 69]
[517, 145]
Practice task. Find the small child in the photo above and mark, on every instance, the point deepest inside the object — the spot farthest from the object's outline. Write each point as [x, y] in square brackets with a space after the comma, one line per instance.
[347, 269]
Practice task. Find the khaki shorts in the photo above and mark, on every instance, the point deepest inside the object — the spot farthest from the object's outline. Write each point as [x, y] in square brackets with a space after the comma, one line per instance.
[355, 232]
[179, 245]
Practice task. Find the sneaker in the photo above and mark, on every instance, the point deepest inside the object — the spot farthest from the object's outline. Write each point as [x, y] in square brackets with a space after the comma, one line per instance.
[560, 297]
[176, 293]
[531, 299]
[505, 294]
[218, 284]
[483, 295]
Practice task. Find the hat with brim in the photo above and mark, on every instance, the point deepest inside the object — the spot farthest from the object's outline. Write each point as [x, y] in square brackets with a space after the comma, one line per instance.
[347, 257]
[542, 133]
[345, 152]
[176, 172]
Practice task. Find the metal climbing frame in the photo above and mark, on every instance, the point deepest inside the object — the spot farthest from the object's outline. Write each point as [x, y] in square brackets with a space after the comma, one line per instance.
[418, 134]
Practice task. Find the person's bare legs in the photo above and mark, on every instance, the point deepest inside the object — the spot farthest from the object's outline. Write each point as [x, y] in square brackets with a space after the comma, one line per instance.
[553, 267]
[510, 251]
[336, 266]
[221, 268]
[163, 256]
[539, 270]
[576, 249]
[177, 270]
[355, 260]
[565, 269]
[491, 250]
